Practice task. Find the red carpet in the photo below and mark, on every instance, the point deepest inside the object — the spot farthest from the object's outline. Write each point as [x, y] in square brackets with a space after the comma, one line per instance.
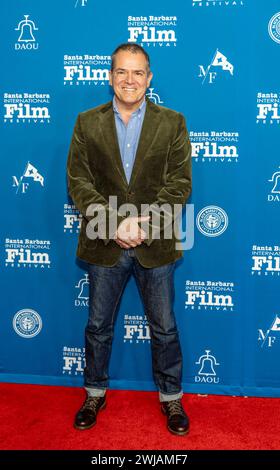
[41, 417]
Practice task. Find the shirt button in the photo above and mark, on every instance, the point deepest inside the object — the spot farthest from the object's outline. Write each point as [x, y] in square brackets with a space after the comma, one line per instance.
[127, 165]
[128, 145]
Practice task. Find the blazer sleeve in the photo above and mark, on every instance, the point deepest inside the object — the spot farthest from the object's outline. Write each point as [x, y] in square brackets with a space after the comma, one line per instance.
[81, 187]
[177, 187]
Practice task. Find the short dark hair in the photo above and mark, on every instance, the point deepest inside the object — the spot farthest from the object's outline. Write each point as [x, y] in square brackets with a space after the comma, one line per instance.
[134, 49]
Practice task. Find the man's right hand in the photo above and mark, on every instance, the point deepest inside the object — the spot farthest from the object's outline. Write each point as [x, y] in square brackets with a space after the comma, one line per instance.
[129, 234]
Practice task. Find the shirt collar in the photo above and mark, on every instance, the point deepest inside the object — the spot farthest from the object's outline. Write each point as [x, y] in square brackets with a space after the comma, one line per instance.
[138, 111]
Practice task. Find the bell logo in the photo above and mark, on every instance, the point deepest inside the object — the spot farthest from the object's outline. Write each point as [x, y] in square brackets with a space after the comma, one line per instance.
[26, 39]
[207, 373]
[83, 296]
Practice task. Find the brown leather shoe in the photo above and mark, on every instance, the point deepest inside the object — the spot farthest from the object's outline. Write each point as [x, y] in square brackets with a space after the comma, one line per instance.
[177, 420]
[86, 416]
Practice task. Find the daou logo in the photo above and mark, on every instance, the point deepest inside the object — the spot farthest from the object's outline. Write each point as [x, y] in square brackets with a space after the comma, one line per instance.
[207, 372]
[26, 39]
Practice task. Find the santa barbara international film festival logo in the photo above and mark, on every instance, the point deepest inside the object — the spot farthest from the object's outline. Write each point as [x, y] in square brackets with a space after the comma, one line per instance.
[136, 329]
[268, 337]
[29, 175]
[274, 27]
[207, 368]
[26, 35]
[26, 253]
[27, 323]
[217, 3]
[72, 219]
[26, 108]
[86, 69]
[265, 260]
[268, 108]
[213, 146]
[212, 221]
[209, 295]
[82, 288]
[73, 360]
[152, 31]
[218, 63]
[274, 181]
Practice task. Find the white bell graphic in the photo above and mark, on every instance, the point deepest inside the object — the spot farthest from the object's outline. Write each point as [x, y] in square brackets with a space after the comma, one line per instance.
[26, 28]
[276, 180]
[207, 364]
[83, 286]
[207, 367]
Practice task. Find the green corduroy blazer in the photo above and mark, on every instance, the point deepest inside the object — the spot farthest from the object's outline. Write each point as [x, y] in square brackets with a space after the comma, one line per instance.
[161, 175]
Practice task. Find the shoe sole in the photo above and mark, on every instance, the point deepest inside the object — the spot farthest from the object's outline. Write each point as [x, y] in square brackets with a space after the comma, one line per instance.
[84, 428]
[182, 433]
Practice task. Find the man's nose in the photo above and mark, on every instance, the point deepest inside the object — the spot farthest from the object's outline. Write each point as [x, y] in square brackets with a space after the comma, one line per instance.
[129, 77]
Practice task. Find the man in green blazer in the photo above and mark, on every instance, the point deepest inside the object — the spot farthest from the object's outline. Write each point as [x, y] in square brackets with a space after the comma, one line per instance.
[129, 168]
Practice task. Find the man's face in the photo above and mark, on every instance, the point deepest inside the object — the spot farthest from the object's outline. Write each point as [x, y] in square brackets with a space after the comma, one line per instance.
[130, 78]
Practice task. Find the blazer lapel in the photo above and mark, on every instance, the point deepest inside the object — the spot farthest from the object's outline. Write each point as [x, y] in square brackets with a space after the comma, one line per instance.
[108, 129]
[148, 133]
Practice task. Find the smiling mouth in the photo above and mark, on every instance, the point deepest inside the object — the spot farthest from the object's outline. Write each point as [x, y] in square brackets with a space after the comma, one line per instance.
[129, 89]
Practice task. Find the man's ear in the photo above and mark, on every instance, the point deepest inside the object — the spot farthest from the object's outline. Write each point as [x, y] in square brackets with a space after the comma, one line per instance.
[150, 76]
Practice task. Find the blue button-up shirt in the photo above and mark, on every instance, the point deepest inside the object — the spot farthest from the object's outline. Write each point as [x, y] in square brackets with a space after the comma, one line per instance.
[128, 135]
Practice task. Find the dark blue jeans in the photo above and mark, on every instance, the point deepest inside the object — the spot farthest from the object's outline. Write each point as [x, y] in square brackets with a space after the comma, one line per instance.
[156, 287]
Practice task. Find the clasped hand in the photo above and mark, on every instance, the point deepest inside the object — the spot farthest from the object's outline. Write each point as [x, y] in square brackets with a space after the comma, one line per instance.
[129, 234]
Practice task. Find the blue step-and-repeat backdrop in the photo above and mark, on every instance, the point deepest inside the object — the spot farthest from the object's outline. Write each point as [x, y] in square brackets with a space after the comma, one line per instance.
[217, 62]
